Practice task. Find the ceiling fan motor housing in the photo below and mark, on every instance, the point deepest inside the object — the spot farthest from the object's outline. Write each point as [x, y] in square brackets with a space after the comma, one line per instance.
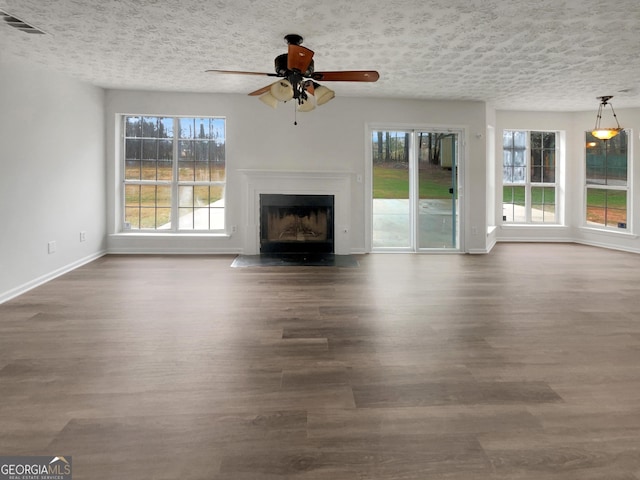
[281, 69]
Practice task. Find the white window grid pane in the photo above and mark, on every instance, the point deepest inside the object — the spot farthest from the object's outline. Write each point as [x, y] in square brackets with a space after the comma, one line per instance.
[517, 171]
[209, 217]
[607, 171]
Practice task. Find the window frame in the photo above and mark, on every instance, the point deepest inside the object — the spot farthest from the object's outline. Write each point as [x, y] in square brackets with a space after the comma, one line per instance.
[609, 188]
[528, 184]
[175, 183]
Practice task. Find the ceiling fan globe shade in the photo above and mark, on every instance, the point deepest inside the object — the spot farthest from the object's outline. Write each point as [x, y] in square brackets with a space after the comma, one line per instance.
[308, 104]
[269, 99]
[323, 94]
[282, 90]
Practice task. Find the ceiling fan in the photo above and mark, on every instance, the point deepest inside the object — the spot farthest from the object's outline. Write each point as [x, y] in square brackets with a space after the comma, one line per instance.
[299, 80]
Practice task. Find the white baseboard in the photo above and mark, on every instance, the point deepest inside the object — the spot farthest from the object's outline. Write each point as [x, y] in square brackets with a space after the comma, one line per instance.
[6, 296]
[173, 251]
[571, 240]
[608, 246]
[535, 240]
[478, 251]
[14, 292]
[492, 243]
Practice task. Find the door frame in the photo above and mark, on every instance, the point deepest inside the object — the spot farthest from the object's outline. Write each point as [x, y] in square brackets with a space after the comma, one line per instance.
[462, 207]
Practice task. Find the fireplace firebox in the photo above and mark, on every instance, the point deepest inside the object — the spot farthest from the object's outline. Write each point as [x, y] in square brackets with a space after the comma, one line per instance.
[296, 223]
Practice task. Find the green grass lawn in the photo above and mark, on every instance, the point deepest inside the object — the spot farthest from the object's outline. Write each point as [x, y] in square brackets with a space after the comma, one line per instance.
[389, 182]
[605, 207]
[596, 197]
[539, 195]
[392, 181]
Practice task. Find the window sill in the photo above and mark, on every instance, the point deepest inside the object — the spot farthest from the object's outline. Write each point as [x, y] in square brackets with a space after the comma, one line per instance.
[532, 225]
[604, 231]
[171, 234]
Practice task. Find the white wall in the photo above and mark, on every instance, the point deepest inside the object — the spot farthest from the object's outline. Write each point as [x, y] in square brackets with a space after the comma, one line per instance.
[331, 138]
[574, 124]
[60, 145]
[60, 149]
[52, 180]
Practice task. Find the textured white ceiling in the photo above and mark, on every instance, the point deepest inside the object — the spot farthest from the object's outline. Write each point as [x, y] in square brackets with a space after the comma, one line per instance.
[517, 54]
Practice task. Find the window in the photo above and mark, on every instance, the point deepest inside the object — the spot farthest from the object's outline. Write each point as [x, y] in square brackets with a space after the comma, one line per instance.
[606, 186]
[529, 172]
[174, 173]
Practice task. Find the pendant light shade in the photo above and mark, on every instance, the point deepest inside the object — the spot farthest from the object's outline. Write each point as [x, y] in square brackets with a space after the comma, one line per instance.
[605, 133]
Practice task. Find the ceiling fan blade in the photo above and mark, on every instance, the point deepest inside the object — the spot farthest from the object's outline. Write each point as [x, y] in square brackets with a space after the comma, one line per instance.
[347, 76]
[238, 72]
[299, 58]
[260, 91]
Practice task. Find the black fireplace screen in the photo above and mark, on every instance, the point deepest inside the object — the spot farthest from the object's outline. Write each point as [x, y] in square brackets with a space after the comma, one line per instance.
[296, 223]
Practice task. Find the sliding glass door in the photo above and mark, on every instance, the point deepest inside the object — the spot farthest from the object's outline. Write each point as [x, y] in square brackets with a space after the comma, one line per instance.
[392, 176]
[415, 190]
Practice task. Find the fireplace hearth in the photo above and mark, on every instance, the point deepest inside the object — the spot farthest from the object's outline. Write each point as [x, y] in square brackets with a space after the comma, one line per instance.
[296, 223]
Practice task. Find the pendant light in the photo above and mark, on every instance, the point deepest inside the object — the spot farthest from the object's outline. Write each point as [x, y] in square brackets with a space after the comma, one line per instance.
[605, 133]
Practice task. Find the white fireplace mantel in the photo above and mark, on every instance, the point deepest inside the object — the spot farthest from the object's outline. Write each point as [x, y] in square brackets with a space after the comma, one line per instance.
[256, 182]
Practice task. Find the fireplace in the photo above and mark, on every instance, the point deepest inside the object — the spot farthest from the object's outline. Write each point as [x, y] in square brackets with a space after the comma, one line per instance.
[296, 223]
[256, 183]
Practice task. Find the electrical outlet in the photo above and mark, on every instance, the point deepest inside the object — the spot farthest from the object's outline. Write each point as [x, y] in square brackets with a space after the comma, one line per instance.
[474, 230]
[51, 246]
[83, 236]
[359, 178]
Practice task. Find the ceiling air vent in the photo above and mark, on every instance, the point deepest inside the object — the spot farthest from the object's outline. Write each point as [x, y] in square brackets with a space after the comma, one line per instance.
[15, 22]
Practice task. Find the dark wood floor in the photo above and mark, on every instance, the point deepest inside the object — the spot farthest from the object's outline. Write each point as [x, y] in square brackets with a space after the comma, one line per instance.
[522, 364]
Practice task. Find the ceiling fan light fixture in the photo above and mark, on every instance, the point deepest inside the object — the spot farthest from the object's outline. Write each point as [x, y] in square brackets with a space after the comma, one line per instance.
[323, 94]
[605, 133]
[269, 99]
[297, 78]
[282, 90]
